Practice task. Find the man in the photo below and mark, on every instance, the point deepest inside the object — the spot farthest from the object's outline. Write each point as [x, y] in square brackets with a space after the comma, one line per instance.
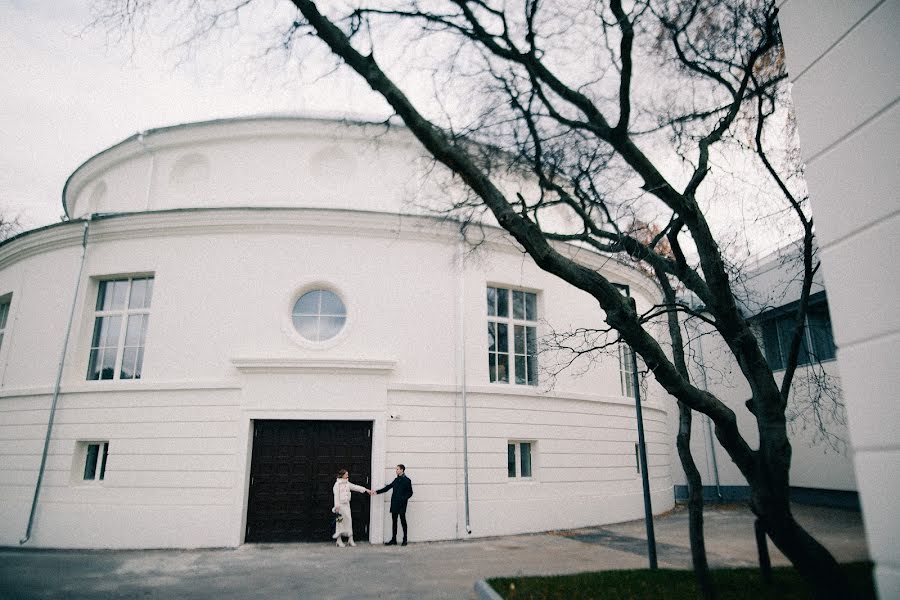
[402, 487]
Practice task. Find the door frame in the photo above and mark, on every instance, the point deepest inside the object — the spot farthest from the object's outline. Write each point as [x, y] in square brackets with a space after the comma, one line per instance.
[245, 434]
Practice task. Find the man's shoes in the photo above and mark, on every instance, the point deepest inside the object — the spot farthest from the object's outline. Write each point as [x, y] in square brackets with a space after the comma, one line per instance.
[403, 544]
[391, 543]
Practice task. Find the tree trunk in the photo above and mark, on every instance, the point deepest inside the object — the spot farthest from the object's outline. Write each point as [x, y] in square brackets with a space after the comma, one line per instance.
[695, 504]
[809, 557]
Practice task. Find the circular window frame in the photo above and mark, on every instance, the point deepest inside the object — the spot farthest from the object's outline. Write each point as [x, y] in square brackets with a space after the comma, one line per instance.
[296, 336]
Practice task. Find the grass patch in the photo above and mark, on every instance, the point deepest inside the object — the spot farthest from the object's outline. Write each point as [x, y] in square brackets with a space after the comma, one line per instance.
[644, 584]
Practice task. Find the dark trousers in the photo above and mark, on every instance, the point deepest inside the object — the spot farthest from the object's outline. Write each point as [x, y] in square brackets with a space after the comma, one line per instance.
[394, 525]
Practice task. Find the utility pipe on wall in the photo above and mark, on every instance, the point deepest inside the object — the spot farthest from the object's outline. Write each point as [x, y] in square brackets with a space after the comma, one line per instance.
[56, 387]
[462, 377]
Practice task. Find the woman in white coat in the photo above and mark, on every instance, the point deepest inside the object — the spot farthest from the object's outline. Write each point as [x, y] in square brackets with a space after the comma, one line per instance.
[344, 525]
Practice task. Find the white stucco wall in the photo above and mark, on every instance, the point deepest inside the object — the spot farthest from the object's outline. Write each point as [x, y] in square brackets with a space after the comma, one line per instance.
[221, 352]
[842, 58]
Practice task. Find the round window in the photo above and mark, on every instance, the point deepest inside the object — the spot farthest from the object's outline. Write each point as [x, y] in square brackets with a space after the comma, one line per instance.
[319, 315]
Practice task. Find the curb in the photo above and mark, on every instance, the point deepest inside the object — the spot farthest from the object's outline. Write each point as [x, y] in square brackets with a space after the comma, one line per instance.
[485, 591]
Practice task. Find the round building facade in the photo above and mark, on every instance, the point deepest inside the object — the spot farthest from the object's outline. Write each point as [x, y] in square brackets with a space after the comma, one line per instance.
[245, 306]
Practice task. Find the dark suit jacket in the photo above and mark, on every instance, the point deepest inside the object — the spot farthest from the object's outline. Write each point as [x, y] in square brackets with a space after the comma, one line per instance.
[402, 487]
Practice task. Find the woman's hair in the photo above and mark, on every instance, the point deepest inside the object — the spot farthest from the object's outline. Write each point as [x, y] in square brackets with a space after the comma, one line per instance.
[341, 473]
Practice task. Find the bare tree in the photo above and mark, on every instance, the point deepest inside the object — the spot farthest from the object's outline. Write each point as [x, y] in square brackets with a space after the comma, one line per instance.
[9, 226]
[620, 113]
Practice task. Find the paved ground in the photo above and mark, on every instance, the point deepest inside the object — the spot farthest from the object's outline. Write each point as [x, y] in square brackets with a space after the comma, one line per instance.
[420, 571]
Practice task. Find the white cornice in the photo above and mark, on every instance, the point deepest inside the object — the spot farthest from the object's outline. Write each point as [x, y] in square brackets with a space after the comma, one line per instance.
[293, 221]
[276, 365]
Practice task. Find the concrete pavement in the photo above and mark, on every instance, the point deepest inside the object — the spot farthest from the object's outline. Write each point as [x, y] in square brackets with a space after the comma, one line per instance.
[419, 571]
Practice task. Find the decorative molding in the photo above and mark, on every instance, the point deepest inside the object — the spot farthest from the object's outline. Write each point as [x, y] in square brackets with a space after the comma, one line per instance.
[118, 386]
[276, 365]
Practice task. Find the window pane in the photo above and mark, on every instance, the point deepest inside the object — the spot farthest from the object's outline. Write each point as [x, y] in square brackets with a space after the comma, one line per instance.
[330, 327]
[1, 339]
[525, 451]
[331, 304]
[511, 460]
[518, 305]
[492, 337]
[492, 366]
[90, 462]
[103, 290]
[103, 460]
[785, 333]
[502, 302]
[307, 326]
[503, 367]
[140, 293]
[134, 332]
[492, 301]
[520, 369]
[108, 364]
[308, 304]
[116, 297]
[502, 339]
[820, 331]
[128, 360]
[94, 364]
[4, 311]
[138, 363]
[530, 341]
[772, 347]
[519, 339]
[532, 370]
[531, 307]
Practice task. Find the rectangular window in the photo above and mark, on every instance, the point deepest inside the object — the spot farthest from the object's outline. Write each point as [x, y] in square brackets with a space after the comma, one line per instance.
[120, 328]
[512, 357]
[777, 329]
[518, 460]
[95, 460]
[5, 302]
[626, 357]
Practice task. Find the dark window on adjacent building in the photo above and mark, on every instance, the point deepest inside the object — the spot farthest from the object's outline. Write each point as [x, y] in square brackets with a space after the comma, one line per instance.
[777, 328]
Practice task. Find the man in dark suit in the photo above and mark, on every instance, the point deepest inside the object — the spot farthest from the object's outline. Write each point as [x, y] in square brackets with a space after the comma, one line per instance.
[402, 487]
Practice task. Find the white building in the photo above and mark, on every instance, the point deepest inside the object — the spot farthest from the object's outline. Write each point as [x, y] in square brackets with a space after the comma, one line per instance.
[254, 304]
[821, 461]
[842, 58]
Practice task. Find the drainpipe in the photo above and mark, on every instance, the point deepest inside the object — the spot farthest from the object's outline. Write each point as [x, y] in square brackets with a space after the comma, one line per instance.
[462, 377]
[59, 372]
[709, 427]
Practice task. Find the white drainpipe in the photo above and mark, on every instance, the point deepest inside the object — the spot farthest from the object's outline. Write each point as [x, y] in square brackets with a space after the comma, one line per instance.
[59, 372]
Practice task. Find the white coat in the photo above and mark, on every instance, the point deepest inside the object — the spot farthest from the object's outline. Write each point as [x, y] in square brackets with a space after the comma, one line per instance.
[342, 489]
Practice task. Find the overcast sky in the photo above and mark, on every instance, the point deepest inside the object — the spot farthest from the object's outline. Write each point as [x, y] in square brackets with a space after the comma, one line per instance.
[67, 94]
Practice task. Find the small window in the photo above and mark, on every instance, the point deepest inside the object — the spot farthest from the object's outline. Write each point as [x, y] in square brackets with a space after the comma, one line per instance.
[319, 315]
[626, 356]
[512, 357]
[95, 454]
[518, 460]
[5, 302]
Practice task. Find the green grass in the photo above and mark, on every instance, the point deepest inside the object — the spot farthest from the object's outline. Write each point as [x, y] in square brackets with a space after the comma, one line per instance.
[731, 584]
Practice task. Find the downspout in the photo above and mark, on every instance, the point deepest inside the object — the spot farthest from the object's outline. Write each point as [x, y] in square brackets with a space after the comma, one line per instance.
[462, 378]
[59, 372]
[709, 427]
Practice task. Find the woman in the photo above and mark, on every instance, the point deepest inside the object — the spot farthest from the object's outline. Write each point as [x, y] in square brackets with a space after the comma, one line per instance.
[344, 524]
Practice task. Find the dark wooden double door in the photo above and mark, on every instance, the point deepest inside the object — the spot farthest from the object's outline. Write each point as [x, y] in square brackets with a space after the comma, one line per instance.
[292, 473]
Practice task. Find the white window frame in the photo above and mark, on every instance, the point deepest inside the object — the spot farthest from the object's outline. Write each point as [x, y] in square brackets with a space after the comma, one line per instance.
[124, 313]
[5, 307]
[517, 460]
[80, 462]
[626, 356]
[530, 338]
